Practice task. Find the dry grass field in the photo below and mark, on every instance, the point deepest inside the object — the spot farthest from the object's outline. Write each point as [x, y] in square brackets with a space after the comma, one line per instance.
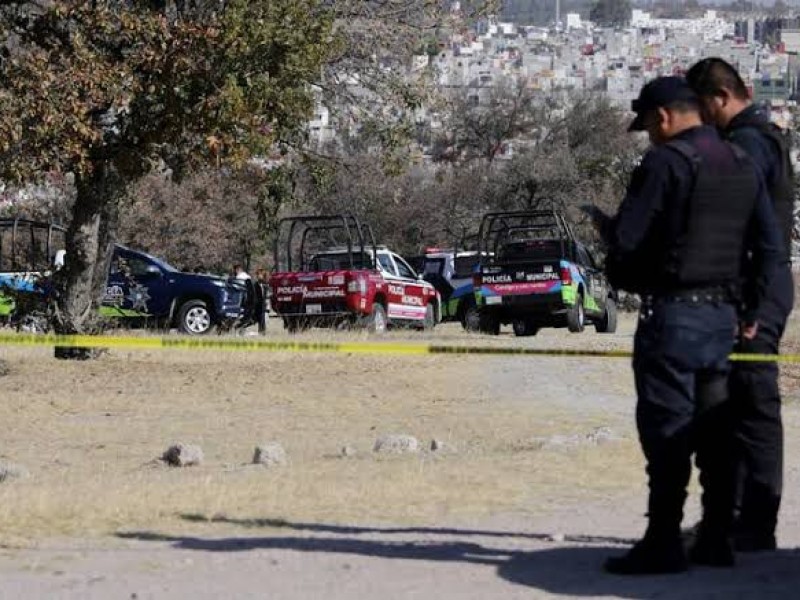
[89, 434]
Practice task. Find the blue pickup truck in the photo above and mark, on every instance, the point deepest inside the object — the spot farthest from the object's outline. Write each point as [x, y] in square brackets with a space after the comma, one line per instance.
[141, 289]
[534, 273]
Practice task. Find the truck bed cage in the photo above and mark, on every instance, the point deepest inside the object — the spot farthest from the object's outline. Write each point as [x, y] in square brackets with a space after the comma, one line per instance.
[498, 228]
[291, 253]
[21, 249]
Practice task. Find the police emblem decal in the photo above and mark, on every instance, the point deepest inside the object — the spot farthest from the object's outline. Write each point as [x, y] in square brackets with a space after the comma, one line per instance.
[138, 297]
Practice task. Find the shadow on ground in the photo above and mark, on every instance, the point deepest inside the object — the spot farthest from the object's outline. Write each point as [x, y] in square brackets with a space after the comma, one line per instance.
[360, 530]
[561, 568]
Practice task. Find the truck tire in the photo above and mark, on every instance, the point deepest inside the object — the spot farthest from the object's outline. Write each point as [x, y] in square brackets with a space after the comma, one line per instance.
[608, 324]
[376, 321]
[429, 322]
[524, 328]
[576, 317]
[471, 318]
[296, 324]
[489, 323]
[194, 318]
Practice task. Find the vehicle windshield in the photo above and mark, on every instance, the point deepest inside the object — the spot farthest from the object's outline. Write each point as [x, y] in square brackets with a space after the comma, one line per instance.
[158, 262]
[339, 261]
[465, 266]
[433, 266]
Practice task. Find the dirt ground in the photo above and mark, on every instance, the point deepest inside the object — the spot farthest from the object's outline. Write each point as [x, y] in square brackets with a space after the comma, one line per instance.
[540, 478]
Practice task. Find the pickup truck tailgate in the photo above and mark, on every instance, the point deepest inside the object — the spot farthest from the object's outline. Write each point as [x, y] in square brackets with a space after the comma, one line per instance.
[521, 278]
[309, 293]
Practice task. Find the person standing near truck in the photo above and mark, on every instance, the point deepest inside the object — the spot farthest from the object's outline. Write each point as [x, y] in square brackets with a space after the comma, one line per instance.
[261, 286]
[754, 385]
[694, 208]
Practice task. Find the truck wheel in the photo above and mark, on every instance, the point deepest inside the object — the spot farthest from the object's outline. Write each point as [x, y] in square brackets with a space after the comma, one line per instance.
[489, 323]
[576, 317]
[608, 324]
[471, 319]
[376, 322]
[194, 318]
[524, 327]
[429, 322]
[295, 324]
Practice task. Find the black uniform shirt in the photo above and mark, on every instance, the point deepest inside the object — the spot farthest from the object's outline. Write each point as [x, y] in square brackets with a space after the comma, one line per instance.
[746, 131]
[638, 234]
[764, 153]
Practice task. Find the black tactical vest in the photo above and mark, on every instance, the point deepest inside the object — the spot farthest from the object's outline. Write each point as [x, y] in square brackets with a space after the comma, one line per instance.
[780, 185]
[706, 244]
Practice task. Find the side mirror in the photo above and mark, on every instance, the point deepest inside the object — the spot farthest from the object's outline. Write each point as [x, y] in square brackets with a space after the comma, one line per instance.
[152, 272]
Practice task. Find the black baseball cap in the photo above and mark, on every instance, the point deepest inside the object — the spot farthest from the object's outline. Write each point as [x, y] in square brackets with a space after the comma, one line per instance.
[660, 92]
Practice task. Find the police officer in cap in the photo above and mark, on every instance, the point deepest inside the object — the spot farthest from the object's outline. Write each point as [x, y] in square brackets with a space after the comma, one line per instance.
[696, 210]
[754, 385]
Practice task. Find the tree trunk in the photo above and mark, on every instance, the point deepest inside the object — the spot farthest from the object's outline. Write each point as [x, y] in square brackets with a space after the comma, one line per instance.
[90, 244]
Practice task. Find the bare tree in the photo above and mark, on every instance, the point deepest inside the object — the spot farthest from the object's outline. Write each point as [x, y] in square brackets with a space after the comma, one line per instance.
[208, 220]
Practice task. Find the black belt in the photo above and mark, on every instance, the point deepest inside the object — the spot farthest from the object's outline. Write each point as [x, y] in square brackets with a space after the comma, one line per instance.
[692, 296]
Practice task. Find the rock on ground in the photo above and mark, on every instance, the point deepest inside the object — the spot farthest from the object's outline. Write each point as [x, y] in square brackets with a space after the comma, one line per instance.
[598, 436]
[396, 444]
[442, 447]
[4, 368]
[12, 471]
[270, 454]
[183, 455]
[348, 451]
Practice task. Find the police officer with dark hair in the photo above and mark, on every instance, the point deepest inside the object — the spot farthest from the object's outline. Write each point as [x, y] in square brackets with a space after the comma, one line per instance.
[754, 385]
[694, 209]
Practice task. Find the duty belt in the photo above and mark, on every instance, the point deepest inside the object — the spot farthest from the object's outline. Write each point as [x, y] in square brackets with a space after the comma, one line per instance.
[692, 296]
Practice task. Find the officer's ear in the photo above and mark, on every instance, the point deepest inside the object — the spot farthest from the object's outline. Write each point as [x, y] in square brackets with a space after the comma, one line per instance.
[722, 97]
[663, 118]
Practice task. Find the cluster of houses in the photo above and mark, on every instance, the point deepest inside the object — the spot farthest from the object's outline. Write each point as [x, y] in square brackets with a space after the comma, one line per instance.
[576, 56]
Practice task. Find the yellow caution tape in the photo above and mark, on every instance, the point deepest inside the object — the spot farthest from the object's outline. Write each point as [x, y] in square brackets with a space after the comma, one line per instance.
[407, 348]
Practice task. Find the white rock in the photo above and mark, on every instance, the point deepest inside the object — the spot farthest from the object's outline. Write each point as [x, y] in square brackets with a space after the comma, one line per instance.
[270, 454]
[396, 444]
[12, 471]
[439, 446]
[348, 451]
[602, 435]
[183, 455]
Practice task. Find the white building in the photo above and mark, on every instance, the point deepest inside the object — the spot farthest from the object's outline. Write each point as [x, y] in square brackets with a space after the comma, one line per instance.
[574, 21]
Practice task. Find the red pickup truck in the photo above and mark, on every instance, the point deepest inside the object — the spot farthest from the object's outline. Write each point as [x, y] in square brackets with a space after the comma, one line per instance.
[353, 282]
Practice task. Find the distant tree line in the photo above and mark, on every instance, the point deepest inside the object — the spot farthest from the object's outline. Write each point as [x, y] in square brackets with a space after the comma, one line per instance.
[519, 149]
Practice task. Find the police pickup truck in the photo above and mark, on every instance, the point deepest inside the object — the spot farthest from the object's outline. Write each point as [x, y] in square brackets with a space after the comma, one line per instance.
[353, 282]
[141, 289]
[534, 273]
[451, 272]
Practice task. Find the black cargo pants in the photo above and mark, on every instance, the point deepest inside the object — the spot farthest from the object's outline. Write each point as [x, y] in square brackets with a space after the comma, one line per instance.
[681, 366]
[757, 414]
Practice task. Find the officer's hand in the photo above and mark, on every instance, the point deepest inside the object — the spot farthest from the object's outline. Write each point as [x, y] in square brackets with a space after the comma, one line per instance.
[749, 331]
